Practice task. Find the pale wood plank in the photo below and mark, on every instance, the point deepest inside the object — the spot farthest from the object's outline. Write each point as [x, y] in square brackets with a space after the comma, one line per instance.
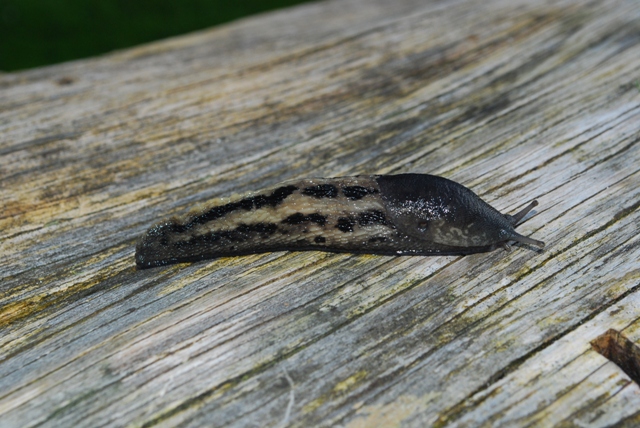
[517, 100]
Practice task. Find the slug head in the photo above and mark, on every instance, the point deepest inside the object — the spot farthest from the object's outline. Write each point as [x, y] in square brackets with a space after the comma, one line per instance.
[437, 210]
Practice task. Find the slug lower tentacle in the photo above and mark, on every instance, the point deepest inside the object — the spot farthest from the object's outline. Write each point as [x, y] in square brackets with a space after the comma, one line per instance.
[406, 214]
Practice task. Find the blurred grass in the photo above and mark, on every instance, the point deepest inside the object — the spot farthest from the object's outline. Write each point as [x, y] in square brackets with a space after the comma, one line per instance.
[40, 32]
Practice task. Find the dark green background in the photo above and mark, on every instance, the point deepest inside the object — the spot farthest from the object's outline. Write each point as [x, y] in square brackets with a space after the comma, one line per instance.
[39, 32]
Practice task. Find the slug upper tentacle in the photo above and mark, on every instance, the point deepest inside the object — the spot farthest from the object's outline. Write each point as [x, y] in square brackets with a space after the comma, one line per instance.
[394, 214]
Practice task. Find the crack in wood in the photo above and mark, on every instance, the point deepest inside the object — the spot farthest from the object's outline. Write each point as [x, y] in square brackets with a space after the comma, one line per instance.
[617, 348]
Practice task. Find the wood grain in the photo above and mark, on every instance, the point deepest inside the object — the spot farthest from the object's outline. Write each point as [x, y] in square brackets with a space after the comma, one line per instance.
[517, 100]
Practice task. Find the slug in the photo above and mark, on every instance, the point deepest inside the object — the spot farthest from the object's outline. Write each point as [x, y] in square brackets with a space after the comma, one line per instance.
[405, 214]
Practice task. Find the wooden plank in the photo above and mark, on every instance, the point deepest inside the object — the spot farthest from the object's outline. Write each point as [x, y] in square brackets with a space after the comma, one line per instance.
[517, 100]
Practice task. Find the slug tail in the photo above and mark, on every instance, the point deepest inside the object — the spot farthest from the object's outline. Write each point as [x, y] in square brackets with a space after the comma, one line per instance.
[526, 240]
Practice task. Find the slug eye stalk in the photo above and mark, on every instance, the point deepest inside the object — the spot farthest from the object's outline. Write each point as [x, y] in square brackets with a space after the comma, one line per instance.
[515, 219]
[526, 240]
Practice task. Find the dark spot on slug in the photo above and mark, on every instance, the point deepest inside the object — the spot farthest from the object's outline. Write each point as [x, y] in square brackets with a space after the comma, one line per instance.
[202, 240]
[279, 195]
[345, 224]
[212, 214]
[261, 228]
[296, 218]
[372, 217]
[357, 192]
[274, 199]
[320, 239]
[377, 239]
[321, 191]
[317, 218]
[242, 233]
[258, 202]
[299, 218]
[247, 204]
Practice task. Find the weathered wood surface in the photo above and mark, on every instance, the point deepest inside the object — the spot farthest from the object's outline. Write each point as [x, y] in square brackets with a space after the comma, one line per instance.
[515, 99]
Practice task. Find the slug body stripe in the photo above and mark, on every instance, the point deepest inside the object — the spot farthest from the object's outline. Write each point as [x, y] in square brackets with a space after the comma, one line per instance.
[323, 214]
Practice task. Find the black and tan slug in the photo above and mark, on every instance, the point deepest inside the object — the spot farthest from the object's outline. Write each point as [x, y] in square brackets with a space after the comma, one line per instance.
[406, 214]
